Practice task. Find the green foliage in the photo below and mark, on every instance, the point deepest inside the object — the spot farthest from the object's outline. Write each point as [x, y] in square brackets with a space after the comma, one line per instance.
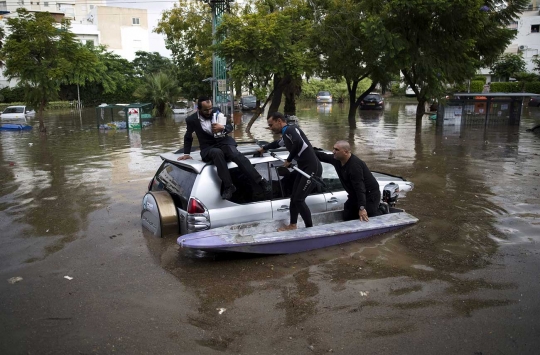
[160, 89]
[477, 85]
[397, 89]
[479, 78]
[188, 31]
[435, 43]
[42, 55]
[312, 87]
[12, 94]
[532, 87]
[505, 87]
[151, 62]
[508, 65]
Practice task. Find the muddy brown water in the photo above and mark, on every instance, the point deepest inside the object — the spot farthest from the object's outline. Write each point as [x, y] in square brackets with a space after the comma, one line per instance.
[462, 280]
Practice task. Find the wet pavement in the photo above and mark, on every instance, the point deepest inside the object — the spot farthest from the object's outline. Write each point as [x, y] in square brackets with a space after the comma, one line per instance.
[461, 281]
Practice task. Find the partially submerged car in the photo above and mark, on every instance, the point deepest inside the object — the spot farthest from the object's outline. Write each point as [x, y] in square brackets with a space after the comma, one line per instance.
[324, 97]
[17, 113]
[373, 101]
[185, 196]
[248, 102]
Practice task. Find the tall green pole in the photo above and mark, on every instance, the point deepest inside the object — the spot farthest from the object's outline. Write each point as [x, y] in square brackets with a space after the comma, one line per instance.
[219, 66]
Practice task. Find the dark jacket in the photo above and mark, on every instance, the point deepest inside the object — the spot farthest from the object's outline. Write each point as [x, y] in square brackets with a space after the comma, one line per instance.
[206, 140]
[354, 176]
[297, 144]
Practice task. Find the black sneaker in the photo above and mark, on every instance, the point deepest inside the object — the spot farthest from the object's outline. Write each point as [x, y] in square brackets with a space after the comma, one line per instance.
[266, 186]
[228, 192]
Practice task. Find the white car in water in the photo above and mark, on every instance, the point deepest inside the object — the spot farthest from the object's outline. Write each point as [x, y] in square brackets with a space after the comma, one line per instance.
[12, 113]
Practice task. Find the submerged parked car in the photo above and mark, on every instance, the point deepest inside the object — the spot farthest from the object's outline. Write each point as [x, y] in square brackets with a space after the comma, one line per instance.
[17, 112]
[324, 97]
[372, 101]
[248, 102]
[185, 196]
[409, 92]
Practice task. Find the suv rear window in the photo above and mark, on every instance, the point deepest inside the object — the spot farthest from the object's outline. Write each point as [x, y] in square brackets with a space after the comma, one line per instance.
[373, 97]
[176, 180]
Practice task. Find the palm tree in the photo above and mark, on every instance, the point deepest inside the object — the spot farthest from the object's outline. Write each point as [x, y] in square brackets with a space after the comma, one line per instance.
[161, 89]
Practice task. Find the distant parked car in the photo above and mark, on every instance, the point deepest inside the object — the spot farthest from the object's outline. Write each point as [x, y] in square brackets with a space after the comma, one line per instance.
[17, 112]
[534, 101]
[409, 92]
[324, 97]
[248, 102]
[372, 101]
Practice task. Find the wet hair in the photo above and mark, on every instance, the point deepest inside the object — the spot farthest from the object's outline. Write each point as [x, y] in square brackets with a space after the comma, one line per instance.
[201, 100]
[277, 116]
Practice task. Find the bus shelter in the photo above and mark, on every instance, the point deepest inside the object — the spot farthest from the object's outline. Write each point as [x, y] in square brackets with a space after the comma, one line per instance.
[123, 116]
[487, 109]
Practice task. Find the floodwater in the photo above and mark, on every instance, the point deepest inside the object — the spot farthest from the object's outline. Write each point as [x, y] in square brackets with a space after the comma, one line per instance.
[462, 280]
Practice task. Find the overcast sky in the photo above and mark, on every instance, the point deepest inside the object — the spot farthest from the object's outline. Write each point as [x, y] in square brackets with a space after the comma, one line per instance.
[155, 8]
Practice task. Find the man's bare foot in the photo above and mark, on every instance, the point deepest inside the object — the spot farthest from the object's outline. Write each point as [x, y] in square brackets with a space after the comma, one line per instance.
[289, 227]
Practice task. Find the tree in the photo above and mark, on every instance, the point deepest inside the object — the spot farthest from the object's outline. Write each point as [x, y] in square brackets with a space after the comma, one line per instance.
[508, 65]
[340, 33]
[435, 43]
[269, 43]
[160, 89]
[151, 62]
[188, 31]
[40, 53]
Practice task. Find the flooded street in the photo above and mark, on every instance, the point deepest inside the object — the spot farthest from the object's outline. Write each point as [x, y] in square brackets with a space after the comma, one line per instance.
[463, 280]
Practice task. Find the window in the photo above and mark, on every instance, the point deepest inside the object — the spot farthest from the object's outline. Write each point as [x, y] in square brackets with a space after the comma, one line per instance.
[135, 21]
[3, 6]
[46, 3]
[282, 180]
[91, 7]
[331, 178]
[246, 190]
[178, 181]
[535, 28]
[20, 2]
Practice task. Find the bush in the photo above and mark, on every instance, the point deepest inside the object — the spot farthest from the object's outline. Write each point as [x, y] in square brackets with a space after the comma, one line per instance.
[477, 85]
[397, 90]
[505, 87]
[533, 87]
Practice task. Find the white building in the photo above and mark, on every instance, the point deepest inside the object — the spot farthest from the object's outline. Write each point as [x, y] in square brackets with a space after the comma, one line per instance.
[527, 40]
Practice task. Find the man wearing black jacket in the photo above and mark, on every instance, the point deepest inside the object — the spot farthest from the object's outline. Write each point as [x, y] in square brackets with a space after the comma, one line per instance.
[212, 131]
[362, 188]
[301, 150]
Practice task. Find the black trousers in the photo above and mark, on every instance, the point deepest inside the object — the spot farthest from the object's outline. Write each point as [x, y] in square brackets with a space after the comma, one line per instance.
[219, 154]
[302, 187]
[352, 208]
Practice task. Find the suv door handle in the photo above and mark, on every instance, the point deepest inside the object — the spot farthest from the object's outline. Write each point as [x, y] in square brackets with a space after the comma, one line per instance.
[333, 200]
[283, 208]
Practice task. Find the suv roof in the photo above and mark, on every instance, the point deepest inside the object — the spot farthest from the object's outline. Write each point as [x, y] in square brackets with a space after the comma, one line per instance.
[196, 164]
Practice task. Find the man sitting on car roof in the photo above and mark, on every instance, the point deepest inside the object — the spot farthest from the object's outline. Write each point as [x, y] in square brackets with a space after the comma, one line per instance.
[212, 131]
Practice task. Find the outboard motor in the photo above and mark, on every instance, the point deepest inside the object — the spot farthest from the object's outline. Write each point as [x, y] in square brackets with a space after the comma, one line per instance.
[389, 197]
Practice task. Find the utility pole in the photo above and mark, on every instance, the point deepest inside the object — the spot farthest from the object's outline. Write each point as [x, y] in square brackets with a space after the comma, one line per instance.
[219, 66]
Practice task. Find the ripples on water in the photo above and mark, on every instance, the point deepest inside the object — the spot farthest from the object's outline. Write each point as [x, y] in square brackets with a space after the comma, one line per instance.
[474, 188]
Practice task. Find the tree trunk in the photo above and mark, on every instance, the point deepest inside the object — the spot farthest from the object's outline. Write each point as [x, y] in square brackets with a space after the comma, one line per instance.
[276, 97]
[353, 105]
[42, 127]
[420, 110]
[291, 91]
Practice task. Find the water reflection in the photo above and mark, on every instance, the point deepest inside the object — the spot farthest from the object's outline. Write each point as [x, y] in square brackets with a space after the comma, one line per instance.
[475, 188]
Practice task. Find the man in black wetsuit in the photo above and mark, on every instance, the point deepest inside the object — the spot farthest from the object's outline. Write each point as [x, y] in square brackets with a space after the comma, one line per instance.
[300, 150]
[362, 188]
[212, 131]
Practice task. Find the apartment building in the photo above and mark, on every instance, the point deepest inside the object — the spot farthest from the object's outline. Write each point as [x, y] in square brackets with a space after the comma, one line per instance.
[123, 30]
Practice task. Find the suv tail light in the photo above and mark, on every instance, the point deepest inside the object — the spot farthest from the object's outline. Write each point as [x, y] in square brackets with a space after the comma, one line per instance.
[198, 217]
[195, 206]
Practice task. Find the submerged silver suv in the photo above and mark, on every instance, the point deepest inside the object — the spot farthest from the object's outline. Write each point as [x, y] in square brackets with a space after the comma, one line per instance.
[184, 196]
